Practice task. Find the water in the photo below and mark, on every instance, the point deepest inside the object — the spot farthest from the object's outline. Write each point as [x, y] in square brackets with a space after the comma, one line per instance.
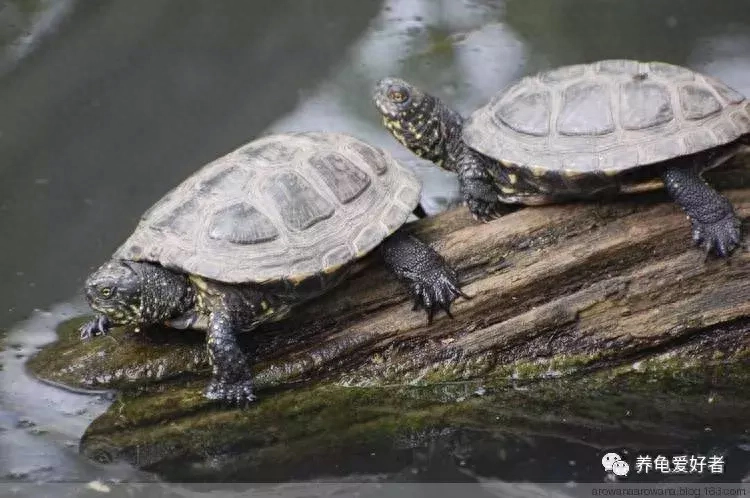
[106, 105]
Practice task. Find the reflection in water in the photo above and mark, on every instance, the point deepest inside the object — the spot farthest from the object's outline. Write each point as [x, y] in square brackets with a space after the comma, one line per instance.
[40, 425]
[457, 49]
[24, 24]
[573, 31]
[143, 93]
[725, 56]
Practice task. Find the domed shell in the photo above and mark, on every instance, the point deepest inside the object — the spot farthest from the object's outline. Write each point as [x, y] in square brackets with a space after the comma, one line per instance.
[607, 116]
[285, 206]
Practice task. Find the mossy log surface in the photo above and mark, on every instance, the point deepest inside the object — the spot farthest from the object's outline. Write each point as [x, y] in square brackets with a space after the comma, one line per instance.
[581, 289]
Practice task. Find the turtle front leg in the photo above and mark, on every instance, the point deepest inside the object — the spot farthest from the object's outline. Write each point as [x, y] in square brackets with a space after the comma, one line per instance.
[480, 189]
[431, 282]
[99, 325]
[715, 225]
[232, 379]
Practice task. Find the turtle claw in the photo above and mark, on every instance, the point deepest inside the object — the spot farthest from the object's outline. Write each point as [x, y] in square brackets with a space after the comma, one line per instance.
[484, 211]
[720, 237]
[447, 310]
[437, 291]
[99, 325]
[430, 315]
[235, 393]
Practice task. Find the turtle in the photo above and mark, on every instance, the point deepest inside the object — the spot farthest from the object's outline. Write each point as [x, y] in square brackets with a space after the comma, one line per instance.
[256, 232]
[584, 131]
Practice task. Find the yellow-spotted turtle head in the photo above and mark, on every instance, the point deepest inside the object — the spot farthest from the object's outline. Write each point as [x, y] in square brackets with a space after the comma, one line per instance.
[399, 101]
[114, 290]
[416, 119]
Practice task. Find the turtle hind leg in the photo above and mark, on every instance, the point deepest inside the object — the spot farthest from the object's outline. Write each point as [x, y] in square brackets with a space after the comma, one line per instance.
[716, 227]
[431, 282]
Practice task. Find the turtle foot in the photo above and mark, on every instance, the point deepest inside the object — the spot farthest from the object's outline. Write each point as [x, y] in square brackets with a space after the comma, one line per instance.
[486, 211]
[99, 325]
[436, 289]
[720, 237]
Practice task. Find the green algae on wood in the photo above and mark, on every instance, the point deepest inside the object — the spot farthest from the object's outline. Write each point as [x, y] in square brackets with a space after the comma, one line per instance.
[120, 359]
[629, 407]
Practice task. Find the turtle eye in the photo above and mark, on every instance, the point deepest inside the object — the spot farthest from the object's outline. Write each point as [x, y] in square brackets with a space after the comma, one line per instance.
[106, 292]
[398, 95]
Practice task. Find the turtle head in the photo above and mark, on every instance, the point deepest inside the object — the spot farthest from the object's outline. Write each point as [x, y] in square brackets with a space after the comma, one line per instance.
[418, 120]
[401, 103]
[138, 293]
[115, 290]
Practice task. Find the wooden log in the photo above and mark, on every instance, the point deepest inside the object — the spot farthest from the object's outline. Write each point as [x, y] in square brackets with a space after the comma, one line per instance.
[558, 290]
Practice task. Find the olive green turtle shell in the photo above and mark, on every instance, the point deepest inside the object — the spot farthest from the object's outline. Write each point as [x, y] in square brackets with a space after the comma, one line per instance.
[607, 116]
[285, 206]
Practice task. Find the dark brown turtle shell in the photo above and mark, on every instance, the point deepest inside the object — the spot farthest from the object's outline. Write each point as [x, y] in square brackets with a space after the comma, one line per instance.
[607, 117]
[283, 207]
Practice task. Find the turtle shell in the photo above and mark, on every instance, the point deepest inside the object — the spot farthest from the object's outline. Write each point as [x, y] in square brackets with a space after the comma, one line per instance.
[607, 116]
[285, 206]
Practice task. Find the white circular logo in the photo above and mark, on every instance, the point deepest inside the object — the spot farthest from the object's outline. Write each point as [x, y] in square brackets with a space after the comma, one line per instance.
[609, 459]
[620, 468]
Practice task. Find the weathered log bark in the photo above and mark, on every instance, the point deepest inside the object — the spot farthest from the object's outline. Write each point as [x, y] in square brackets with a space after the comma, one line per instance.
[559, 289]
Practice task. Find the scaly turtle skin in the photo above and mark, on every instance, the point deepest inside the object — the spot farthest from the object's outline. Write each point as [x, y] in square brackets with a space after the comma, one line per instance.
[258, 231]
[584, 131]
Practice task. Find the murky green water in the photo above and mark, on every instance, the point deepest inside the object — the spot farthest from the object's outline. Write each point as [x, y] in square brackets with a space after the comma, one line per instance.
[106, 105]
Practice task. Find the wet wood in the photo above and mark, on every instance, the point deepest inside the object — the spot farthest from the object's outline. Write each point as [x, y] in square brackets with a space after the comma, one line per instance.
[581, 285]
[599, 282]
